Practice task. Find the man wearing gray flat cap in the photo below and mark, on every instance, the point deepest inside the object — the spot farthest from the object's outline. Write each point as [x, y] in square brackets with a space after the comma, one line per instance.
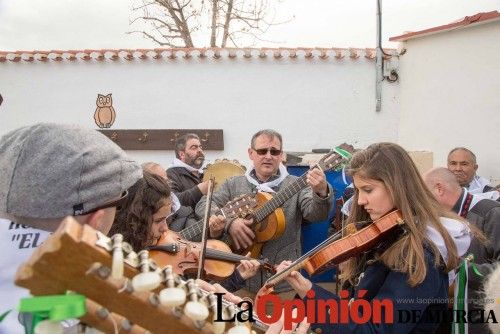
[48, 172]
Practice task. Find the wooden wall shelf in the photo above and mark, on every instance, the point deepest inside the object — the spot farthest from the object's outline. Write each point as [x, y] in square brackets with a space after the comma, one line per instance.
[163, 139]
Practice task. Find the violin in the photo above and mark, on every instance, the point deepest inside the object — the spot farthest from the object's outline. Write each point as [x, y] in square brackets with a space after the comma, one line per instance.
[183, 256]
[336, 250]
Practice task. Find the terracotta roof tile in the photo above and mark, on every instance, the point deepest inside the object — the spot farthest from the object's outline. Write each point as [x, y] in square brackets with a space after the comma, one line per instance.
[466, 21]
[189, 53]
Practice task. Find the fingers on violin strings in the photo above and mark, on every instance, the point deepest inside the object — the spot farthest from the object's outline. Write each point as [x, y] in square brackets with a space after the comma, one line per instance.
[302, 327]
[255, 263]
[294, 324]
[276, 327]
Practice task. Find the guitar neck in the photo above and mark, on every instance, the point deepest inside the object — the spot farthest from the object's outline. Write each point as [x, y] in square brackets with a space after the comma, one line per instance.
[189, 233]
[280, 198]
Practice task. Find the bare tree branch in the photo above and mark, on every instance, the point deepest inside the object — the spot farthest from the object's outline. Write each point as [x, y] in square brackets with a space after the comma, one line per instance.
[227, 21]
[179, 22]
[213, 29]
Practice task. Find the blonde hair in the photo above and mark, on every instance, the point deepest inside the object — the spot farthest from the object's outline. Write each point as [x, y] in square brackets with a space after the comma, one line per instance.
[390, 164]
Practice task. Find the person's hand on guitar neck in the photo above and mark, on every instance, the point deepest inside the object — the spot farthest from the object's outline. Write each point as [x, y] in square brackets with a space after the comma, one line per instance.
[241, 233]
[317, 180]
[216, 224]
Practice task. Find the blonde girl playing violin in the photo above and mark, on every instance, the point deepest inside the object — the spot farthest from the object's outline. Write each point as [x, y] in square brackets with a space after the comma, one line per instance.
[413, 271]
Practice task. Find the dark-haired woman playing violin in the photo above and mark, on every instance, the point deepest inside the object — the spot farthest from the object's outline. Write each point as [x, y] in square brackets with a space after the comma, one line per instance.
[413, 271]
[143, 220]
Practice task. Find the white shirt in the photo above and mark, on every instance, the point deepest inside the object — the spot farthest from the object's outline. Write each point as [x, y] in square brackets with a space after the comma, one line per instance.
[17, 243]
[477, 184]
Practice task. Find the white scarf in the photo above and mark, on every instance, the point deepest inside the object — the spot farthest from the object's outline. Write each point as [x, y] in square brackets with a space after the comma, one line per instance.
[477, 184]
[179, 163]
[176, 204]
[460, 234]
[267, 186]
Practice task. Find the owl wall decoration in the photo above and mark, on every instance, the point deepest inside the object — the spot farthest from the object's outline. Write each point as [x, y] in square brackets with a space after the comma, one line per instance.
[104, 115]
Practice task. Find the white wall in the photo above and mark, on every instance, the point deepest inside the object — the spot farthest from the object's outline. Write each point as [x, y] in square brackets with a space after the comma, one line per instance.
[450, 95]
[314, 103]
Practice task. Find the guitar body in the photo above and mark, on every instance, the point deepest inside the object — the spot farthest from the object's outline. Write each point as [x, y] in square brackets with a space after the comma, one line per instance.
[273, 226]
[270, 228]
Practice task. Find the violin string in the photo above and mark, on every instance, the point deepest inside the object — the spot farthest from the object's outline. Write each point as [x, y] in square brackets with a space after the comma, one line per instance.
[297, 264]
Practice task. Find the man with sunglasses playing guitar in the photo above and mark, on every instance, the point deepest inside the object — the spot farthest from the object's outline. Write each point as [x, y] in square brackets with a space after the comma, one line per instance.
[269, 175]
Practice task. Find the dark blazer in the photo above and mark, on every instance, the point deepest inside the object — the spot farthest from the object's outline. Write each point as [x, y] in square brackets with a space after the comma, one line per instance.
[485, 215]
[184, 185]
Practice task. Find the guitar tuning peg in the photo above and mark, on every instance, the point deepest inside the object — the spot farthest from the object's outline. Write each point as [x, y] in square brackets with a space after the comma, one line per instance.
[49, 327]
[146, 280]
[239, 329]
[218, 326]
[195, 310]
[117, 263]
[171, 296]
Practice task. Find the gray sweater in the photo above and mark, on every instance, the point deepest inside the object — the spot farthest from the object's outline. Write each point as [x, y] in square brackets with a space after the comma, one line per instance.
[305, 205]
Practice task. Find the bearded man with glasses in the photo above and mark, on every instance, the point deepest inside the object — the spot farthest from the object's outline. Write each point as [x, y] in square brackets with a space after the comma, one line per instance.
[48, 172]
[268, 174]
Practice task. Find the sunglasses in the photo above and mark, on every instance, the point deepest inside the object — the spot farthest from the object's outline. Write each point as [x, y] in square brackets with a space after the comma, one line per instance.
[118, 203]
[263, 151]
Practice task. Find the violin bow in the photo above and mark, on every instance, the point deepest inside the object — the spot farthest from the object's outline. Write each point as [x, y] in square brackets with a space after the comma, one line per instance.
[206, 229]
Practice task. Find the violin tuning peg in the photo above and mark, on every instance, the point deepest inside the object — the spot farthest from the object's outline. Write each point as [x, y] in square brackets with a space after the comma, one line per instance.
[117, 263]
[146, 281]
[49, 327]
[172, 297]
[239, 329]
[196, 311]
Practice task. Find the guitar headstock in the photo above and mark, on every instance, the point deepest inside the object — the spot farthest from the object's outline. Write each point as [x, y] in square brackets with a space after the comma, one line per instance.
[339, 155]
[240, 206]
[145, 298]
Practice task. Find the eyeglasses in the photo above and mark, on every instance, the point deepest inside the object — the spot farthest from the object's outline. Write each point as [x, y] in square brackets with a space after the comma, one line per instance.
[263, 151]
[118, 203]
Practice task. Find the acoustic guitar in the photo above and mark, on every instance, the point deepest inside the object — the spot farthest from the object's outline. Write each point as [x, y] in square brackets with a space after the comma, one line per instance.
[230, 210]
[268, 217]
[125, 291]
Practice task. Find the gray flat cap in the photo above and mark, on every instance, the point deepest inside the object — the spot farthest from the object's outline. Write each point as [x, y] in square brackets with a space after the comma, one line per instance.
[53, 171]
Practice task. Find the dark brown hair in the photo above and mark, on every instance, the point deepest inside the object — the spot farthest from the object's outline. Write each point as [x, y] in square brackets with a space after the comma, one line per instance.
[134, 220]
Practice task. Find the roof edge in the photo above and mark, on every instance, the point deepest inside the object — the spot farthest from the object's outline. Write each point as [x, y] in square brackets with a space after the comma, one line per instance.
[467, 21]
